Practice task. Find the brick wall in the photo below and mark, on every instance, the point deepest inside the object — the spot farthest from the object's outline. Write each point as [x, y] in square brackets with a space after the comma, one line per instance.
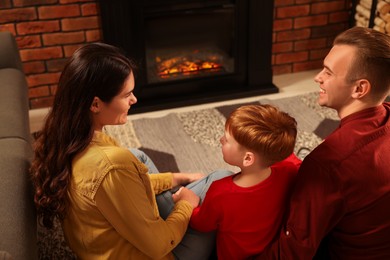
[48, 31]
[304, 31]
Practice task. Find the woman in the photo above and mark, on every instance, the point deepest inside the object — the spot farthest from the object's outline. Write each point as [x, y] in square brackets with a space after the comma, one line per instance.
[101, 192]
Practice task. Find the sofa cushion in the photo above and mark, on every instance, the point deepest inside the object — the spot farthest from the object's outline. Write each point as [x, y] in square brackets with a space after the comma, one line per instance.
[14, 104]
[9, 52]
[18, 234]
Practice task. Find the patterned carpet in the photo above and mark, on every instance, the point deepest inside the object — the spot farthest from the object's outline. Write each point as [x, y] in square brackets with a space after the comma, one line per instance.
[189, 142]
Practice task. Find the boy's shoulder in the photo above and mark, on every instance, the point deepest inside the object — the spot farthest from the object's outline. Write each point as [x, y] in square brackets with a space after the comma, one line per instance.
[222, 185]
[288, 166]
[291, 161]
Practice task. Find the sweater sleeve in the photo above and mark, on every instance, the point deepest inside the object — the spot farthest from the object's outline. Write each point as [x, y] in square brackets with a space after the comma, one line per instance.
[205, 218]
[161, 182]
[127, 201]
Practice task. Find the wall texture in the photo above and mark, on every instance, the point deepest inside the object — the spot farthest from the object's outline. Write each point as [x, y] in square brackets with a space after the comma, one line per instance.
[48, 31]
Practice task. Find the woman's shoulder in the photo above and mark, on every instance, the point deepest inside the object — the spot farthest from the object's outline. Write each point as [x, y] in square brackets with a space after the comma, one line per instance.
[95, 163]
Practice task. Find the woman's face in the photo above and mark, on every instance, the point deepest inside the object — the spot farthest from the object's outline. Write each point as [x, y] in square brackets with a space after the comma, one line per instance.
[114, 112]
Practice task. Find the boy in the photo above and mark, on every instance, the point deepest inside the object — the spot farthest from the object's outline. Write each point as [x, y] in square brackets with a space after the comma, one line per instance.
[246, 209]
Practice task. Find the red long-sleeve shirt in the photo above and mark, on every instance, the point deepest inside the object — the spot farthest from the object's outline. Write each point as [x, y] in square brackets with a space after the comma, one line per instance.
[343, 194]
[246, 219]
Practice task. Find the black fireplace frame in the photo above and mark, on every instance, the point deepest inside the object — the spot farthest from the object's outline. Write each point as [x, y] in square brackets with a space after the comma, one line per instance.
[123, 26]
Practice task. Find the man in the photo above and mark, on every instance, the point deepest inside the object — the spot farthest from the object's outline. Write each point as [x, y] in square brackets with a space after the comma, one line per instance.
[342, 196]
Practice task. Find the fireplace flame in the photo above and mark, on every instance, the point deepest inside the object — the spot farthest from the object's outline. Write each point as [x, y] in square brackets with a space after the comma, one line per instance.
[185, 65]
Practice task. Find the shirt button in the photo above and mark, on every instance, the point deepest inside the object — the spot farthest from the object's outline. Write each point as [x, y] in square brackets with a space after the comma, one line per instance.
[172, 242]
[288, 233]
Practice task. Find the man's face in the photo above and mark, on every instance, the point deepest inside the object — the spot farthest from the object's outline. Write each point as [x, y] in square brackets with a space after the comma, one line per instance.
[335, 91]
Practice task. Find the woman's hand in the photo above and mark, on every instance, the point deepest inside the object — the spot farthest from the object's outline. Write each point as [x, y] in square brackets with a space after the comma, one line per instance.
[185, 194]
[185, 178]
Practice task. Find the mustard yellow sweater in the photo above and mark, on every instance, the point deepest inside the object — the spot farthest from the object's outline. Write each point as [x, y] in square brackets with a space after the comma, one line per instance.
[113, 212]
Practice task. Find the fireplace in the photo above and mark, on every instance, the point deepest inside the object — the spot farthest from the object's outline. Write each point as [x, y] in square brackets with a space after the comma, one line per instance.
[192, 52]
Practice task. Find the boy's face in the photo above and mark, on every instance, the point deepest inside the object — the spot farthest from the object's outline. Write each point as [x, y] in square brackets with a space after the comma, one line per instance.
[233, 153]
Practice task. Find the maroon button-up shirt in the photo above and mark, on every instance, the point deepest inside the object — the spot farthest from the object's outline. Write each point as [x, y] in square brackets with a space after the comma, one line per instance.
[343, 194]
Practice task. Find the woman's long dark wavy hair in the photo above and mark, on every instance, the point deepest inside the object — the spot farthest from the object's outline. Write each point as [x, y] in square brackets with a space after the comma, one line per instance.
[94, 70]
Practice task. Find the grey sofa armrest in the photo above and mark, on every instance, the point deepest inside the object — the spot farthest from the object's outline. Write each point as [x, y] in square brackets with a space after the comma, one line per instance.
[9, 46]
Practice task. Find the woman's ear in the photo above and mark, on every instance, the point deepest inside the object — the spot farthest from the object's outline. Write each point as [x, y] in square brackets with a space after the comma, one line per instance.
[249, 159]
[361, 89]
[95, 105]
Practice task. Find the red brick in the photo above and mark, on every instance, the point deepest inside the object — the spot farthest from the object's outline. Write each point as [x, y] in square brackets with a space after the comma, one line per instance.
[20, 3]
[306, 1]
[29, 41]
[41, 54]
[75, 1]
[282, 24]
[69, 49]
[58, 11]
[94, 35]
[56, 65]
[291, 57]
[292, 11]
[281, 69]
[293, 35]
[63, 38]
[43, 79]
[38, 91]
[328, 30]
[327, 7]
[10, 27]
[310, 21]
[37, 27]
[33, 67]
[5, 4]
[339, 17]
[17, 15]
[319, 54]
[309, 65]
[282, 47]
[75, 24]
[41, 102]
[310, 44]
[283, 2]
[89, 9]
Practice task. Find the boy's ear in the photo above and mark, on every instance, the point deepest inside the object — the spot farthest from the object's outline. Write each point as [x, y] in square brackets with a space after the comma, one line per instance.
[249, 159]
[95, 105]
[361, 88]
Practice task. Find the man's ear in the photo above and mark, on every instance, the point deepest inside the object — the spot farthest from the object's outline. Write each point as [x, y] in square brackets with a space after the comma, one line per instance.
[95, 105]
[361, 89]
[249, 159]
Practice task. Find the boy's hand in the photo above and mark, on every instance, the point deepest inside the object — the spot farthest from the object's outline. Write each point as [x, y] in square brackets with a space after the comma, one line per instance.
[185, 194]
